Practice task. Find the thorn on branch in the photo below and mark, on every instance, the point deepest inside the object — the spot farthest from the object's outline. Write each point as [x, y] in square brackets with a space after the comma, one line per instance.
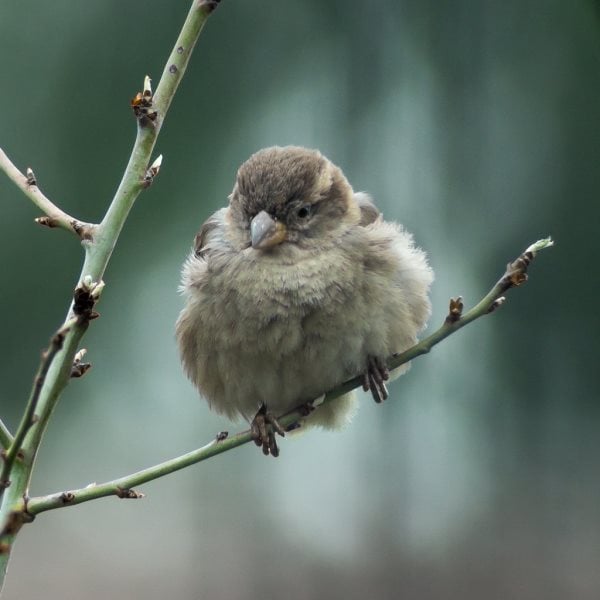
[152, 172]
[141, 104]
[31, 180]
[128, 493]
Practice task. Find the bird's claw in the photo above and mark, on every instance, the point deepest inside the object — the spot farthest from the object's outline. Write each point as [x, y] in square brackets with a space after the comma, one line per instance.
[264, 426]
[305, 410]
[374, 379]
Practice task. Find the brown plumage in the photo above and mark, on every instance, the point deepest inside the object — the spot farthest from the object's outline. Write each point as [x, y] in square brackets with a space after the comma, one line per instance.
[295, 287]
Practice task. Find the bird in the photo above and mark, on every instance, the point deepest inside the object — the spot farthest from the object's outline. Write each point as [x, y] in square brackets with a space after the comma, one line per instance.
[296, 286]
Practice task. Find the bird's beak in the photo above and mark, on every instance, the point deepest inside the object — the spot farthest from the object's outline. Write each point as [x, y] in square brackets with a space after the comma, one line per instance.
[265, 231]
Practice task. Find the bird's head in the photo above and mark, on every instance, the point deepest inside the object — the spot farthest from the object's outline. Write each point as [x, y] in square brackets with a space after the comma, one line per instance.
[291, 196]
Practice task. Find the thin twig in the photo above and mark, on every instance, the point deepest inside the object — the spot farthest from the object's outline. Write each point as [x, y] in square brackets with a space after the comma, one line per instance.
[6, 437]
[516, 273]
[29, 417]
[55, 217]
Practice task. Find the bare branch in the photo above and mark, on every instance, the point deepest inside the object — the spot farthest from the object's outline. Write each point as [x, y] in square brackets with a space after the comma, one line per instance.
[54, 216]
[29, 417]
[57, 365]
[6, 437]
[515, 272]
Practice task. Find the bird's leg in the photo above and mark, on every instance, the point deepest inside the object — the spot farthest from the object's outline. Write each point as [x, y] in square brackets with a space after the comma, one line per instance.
[374, 378]
[264, 426]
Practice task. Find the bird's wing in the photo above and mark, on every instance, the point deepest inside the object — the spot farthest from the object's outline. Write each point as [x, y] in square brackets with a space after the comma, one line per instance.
[201, 241]
[369, 213]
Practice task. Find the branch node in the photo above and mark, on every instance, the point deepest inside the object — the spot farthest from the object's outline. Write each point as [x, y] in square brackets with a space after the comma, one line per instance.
[80, 368]
[497, 303]
[152, 172]
[128, 493]
[85, 297]
[47, 222]
[83, 230]
[141, 104]
[455, 310]
[30, 175]
[516, 271]
[208, 5]
[26, 516]
[67, 497]
[13, 523]
[57, 342]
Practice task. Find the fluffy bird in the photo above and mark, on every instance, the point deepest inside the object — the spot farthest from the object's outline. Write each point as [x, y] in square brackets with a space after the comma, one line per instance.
[296, 286]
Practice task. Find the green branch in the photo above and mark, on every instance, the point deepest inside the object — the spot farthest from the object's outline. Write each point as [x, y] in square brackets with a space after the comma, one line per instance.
[516, 274]
[98, 242]
[6, 437]
[29, 416]
[54, 216]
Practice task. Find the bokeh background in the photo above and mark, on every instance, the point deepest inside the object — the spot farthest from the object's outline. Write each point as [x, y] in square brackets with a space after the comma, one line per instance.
[477, 125]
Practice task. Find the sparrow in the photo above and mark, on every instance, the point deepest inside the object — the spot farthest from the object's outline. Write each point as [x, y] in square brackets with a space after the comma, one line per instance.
[295, 287]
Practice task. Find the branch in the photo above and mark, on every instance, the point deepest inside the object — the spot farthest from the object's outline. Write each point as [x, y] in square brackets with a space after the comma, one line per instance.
[99, 250]
[56, 371]
[515, 275]
[151, 111]
[29, 417]
[6, 437]
[55, 217]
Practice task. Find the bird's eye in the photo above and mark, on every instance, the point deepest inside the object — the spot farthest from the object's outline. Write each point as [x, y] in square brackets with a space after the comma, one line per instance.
[304, 211]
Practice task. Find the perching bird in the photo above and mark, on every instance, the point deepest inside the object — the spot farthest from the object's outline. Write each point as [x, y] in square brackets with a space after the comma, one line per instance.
[298, 285]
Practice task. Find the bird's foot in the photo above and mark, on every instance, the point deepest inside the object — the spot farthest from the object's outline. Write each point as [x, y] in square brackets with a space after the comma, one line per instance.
[374, 378]
[264, 426]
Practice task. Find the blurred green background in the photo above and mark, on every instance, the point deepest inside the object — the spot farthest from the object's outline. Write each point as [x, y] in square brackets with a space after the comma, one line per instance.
[477, 125]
